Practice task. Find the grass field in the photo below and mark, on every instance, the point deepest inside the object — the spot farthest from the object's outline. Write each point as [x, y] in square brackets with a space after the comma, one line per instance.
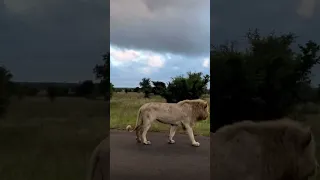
[41, 140]
[124, 108]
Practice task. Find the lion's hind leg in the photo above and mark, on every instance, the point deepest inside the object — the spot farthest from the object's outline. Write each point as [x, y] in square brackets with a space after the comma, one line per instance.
[146, 126]
[138, 134]
[173, 129]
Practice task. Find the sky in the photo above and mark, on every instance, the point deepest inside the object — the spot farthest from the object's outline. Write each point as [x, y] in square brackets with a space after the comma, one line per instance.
[230, 20]
[53, 40]
[158, 39]
[59, 40]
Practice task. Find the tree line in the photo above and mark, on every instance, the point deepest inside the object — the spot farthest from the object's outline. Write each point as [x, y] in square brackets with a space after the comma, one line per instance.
[263, 82]
[87, 88]
[193, 86]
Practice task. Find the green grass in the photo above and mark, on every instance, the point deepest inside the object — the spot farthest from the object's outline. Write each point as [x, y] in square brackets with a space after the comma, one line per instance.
[124, 108]
[41, 140]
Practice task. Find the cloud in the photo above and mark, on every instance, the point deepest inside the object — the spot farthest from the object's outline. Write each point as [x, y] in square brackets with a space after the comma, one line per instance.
[306, 8]
[124, 55]
[151, 65]
[146, 70]
[178, 27]
[206, 63]
[155, 61]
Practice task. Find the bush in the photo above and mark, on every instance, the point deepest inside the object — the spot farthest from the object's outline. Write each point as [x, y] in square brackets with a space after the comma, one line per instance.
[85, 88]
[111, 90]
[158, 87]
[261, 83]
[32, 91]
[5, 77]
[136, 89]
[52, 93]
[191, 87]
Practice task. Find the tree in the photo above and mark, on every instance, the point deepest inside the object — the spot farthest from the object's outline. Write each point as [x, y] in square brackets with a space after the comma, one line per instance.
[102, 73]
[32, 91]
[12, 88]
[191, 87]
[52, 93]
[261, 83]
[159, 87]
[5, 77]
[85, 89]
[145, 85]
[136, 89]
[21, 91]
[111, 89]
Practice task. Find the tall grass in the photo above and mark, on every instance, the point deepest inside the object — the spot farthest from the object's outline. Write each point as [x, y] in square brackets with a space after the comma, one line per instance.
[40, 140]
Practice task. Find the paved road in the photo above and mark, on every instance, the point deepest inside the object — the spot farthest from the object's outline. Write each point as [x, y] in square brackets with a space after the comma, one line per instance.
[160, 160]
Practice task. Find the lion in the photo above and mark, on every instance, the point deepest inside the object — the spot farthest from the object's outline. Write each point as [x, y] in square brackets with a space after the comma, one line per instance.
[268, 150]
[185, 113]
[99, 161]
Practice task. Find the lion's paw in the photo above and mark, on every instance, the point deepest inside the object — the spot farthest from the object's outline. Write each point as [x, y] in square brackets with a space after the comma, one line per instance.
[196, 144]
[138, 140]
[147, 143]
[171, 141]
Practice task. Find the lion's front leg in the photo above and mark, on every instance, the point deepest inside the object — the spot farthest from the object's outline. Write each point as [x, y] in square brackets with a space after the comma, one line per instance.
[191, 135]
[173, 130]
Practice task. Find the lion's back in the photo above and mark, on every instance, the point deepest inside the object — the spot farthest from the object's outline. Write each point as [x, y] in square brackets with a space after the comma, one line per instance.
[191, 110]
[156, 108]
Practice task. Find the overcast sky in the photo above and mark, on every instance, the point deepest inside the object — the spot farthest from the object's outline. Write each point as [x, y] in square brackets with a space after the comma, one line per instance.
[53, 40]
[158, 39]
[230, 20]
[62, 40]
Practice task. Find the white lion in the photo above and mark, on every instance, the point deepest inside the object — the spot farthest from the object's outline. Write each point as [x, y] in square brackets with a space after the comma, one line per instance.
[185, 112]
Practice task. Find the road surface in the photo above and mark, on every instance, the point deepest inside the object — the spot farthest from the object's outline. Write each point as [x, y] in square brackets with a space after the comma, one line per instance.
[160, 160]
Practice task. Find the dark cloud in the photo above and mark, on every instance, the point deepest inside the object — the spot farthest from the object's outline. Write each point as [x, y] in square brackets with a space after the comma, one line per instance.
[230, 20]
[179, 27]
[53, 40]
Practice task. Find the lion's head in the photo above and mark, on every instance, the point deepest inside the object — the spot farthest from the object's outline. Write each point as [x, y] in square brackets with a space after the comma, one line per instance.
[302, 140]
[200, 108]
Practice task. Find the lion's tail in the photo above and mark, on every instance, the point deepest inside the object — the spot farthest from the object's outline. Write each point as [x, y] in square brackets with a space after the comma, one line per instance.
[138, 123]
